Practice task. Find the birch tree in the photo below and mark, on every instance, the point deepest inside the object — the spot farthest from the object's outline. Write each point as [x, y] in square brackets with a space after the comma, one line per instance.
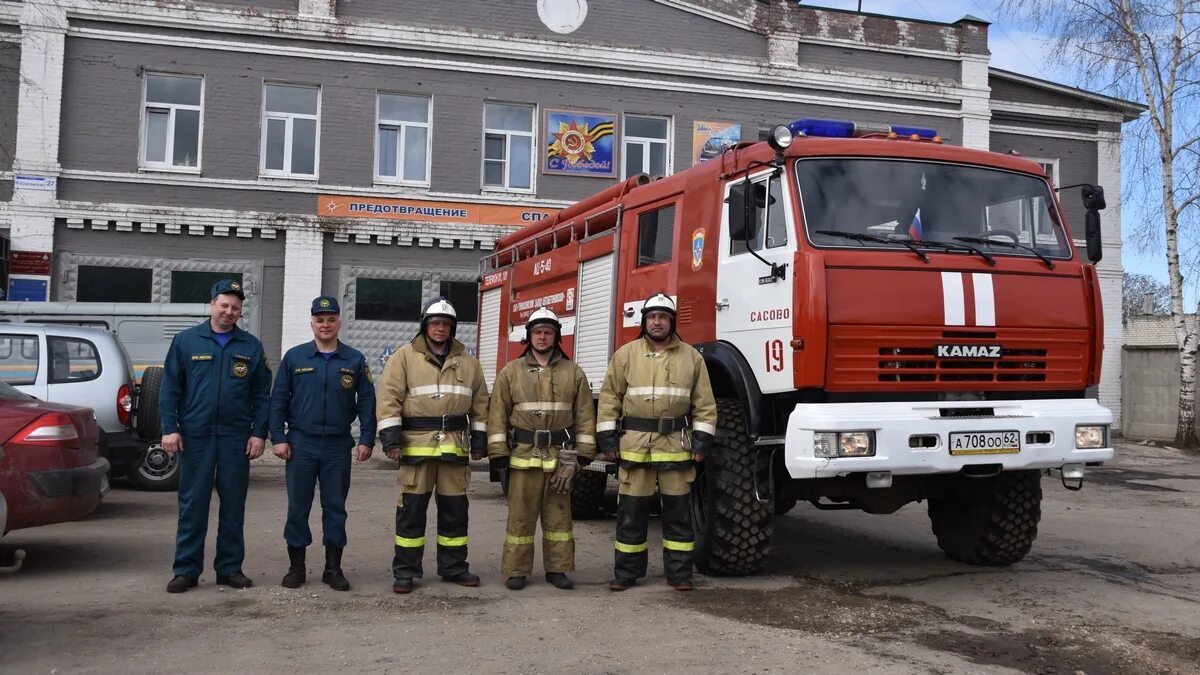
[1146, 51]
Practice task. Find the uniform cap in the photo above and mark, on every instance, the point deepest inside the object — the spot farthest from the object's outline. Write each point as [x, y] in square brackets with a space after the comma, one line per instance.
[325, 304]
[232, 286]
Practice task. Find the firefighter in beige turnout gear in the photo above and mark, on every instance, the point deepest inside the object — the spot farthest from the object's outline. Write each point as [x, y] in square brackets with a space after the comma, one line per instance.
[541, 429]
[431, 403]
[657, 415]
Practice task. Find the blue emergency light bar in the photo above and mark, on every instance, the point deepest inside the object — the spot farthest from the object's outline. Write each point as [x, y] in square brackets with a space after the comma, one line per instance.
[919, 132]
[845, 129]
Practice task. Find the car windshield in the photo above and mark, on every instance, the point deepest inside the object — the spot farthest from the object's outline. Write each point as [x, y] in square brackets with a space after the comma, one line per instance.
[881, 203]
[7, 392]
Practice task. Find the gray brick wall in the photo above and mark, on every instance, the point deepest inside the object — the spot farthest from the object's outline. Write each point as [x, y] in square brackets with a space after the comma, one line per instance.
[626, 22]
[1007, 90]
[865, 61]
[1076, 164]
[10, 68]
[254, 5]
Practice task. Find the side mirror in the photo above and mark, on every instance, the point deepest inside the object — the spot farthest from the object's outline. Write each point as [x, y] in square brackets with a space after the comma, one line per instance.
[743, 225]
[1093, 197]
[1091, 233]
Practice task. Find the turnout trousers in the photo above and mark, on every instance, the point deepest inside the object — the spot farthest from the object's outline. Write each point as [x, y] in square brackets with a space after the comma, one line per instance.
[315, 459]
[418, 483]
[636, 492]
[203, 462]
[530, 496]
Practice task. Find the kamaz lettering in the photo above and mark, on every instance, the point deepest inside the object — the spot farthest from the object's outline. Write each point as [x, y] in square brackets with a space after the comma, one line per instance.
[969, 351]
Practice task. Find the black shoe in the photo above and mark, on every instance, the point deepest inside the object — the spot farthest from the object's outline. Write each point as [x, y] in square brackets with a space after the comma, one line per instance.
[235, 580]
[464, 579]
[402, 585]
[296, 573]
[333, 570]
[560, 580]
[680, 584]
[620, 584]
[181, 583]
[515, 583]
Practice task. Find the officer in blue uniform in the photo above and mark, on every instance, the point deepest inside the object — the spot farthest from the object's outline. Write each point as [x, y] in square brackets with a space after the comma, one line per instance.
[214, 408]
[320, 388]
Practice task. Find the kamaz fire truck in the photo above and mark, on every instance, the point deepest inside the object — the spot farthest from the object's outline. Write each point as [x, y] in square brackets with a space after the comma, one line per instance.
[886, 319]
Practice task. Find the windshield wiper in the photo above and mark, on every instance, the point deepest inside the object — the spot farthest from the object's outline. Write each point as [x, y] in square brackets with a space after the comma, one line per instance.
[858, 236]
[1008, 244]
[991, 260]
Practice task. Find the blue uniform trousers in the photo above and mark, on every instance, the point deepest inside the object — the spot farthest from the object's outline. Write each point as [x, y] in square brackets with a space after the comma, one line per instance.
[317, 459]
[206, 460]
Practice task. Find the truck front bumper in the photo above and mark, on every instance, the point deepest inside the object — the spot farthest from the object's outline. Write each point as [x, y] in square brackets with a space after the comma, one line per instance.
[896, 424]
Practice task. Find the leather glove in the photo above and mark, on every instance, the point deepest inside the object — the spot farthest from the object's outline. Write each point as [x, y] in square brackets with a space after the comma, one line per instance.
[478, 444]
[564, 473]
[609, 445]
[499, 463]
[702, 442]
[391, 438]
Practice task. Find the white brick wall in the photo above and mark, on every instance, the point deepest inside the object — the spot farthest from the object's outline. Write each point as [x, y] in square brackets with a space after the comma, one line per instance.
[976, 109]
[1108, 175]
[302, 263]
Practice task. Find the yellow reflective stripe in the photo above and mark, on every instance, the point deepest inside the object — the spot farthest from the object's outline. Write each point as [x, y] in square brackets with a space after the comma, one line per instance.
[678, 545]
[407, 542]
[631, 548]
[518, 541]
[558, 536]
[451, 541]
[435, 451]
[532, 463]
[634, 456]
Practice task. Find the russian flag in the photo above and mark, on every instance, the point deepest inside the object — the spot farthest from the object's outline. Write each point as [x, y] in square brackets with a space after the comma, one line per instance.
[914, 229]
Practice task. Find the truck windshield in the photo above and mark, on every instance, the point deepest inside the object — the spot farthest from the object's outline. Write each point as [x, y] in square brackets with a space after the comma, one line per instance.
[881, 203]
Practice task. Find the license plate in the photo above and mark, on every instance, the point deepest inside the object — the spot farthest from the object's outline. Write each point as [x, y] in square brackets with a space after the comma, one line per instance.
[985, 443]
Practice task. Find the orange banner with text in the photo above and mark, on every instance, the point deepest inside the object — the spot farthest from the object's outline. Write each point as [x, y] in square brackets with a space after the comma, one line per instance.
[429, 212]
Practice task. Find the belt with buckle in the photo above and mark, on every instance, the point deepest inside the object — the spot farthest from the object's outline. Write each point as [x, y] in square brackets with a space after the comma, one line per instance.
[443, 423]
[657, 425]
[542, 438]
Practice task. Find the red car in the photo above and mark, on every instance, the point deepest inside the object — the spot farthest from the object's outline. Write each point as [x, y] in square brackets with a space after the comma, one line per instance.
[51, 470]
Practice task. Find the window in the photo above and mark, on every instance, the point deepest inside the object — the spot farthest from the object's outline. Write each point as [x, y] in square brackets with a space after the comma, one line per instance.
[508, 146]
[771, 216]
[646, 145]
[19, 359]
[290, 130]
[656, 236]
[402, 139]
[72, 360]
[171, 117]
[464, 295]
[387, 299]
[197, 286]
[99, 283]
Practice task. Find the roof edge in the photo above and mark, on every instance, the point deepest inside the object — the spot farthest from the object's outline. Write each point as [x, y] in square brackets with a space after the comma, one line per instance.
[1132, 109]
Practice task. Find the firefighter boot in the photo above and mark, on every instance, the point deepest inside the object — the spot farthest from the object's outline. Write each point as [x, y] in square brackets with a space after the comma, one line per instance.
[333, 570]
[296, 572]
[560, 581]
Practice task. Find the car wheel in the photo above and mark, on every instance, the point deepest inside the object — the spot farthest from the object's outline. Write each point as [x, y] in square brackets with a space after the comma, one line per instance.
[158, 471]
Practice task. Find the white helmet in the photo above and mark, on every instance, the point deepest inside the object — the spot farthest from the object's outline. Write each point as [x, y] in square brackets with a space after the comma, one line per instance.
[659, 302]
[440, 309]
[543, 315]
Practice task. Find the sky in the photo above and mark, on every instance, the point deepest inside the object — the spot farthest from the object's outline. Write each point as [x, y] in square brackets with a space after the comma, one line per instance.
[1014, 47]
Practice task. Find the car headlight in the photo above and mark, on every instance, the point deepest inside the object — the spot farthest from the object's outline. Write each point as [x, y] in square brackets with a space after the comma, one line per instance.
[844, 444]
[1091, 436]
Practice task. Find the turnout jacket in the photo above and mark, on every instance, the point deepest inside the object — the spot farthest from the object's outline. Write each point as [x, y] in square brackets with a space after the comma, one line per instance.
[415, 388]
[647, 385]
[321, 398]
[528, 396]
[209, 390]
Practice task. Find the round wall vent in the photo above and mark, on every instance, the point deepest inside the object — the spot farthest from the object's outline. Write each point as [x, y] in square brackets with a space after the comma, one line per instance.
[562, 16]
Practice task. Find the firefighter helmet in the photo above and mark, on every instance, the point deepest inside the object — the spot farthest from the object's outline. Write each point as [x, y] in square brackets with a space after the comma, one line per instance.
[440, 309]
[542, 317]
[659, 302]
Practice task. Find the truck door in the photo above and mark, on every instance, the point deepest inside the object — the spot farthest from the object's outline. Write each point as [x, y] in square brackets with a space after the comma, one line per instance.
[754, 307]
[648, 247]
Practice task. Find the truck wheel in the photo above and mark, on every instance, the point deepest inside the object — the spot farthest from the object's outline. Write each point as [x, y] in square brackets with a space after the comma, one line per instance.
[587, 494]
[158, 470]
[784, 504]
[733, 528]
[148, 426]
[988, 521]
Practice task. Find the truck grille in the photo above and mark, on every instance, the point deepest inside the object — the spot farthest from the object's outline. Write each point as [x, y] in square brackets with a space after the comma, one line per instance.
[919, 364]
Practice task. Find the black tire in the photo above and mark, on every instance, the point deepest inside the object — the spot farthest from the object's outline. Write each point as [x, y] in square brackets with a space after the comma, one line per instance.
[157, 472]
[988, 521]
[587, 494]
[733, 528]
[148, 424]
[784, 504]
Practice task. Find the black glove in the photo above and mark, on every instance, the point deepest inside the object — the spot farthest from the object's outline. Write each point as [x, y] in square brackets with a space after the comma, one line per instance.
[498, 463]
[608, 442]
[391, 438]
[702, 442]
[478, 444]
[584, 461]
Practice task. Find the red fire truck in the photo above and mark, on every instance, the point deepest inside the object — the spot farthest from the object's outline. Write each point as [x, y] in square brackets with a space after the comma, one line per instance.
[885, 319]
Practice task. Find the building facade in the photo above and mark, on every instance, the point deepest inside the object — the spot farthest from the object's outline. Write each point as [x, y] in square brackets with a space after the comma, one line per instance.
[376, 149]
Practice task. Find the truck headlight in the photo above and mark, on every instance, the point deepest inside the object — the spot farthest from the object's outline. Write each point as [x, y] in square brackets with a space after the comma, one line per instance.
[844, 444]
[1091, 436]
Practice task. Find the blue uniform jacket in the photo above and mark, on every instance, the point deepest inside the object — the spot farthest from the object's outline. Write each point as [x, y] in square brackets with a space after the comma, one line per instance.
[208, 390]
[321, 398]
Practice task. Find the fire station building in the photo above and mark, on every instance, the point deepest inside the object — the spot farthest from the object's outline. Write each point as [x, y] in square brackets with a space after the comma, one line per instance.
[377, 149]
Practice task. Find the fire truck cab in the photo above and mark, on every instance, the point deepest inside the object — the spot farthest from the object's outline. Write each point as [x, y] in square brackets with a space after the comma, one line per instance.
[885, 319]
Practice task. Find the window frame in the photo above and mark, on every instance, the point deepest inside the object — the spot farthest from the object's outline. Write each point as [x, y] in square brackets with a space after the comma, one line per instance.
[401, 125]
[169, 166]
[645, 141]
[508, 135]
[36, 358]
[407, 278]
[149, 295]
[289, 128]
[637, 262]
[50, 358]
